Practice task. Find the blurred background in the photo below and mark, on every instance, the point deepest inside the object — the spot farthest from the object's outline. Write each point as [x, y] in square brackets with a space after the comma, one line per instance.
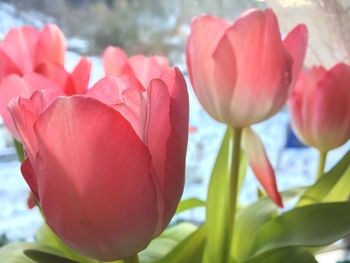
[162, 27]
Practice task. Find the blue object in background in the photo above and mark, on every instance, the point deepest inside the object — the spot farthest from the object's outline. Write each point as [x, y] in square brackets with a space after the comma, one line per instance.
[292, 141]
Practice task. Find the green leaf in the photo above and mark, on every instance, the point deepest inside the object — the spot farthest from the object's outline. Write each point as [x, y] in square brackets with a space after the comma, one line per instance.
[167, 241]
[188, 204]
[285, 255]
[47, 237]
[19, 150]
[341, 190]
[31, 253]
[307, 226]
[317, 192]
[189, 250]
[251, 218]
[217, 201]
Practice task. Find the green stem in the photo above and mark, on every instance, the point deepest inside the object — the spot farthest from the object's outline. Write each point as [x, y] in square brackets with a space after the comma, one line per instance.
[321, 164]
[233, 190]
[19, 150]
[133, 259]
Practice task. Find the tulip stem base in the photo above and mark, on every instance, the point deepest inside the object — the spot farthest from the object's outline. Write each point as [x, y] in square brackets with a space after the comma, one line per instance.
[233, 189]
[133, 259]
[321, 164]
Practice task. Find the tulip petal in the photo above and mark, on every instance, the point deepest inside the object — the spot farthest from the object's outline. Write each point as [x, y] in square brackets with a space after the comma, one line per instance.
[115, 62]
[224, 77]
[81, 76]
[51, 46]
[58, 74]
[296, 44]
[331, 109]
[260, 164]
[32, 201]
[177, 142]
[7, 66]
[95, 197]
[206, 32]
[19, 45]
[30, 177]
[157, 132]
[14, 86]
[134, 109]
[109, 90]
[263, 68]
[301, 103]
[25, 113]
[147, 68]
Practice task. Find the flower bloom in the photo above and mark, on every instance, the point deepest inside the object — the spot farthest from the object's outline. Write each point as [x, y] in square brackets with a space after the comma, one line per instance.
[107, 168]
[117, 63]
[24, 49]
[30, 60]
[320, 107]
[242, 72]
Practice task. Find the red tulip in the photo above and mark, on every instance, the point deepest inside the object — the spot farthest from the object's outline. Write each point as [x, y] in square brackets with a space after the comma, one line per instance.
[320, 107]
[107, 168]
[241, 72]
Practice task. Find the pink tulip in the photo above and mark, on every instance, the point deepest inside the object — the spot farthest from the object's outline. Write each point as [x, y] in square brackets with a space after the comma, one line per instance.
[25, 48]
[241, 72]
[107, 168]
[32, 60]
[117, 63]
[320, 107]
[15, 86]
[49, 76]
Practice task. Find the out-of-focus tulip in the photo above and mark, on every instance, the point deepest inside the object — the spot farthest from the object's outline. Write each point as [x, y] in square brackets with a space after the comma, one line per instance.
[117, 63]
[30, 60]
[50, 76]
[107, 168]
[320, 107]
[242, 72]
[25, 48]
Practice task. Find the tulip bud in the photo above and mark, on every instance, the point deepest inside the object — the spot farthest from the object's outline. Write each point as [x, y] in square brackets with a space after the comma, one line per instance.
[320, 107]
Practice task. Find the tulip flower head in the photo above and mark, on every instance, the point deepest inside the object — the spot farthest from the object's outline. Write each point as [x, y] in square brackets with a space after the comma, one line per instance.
[107, 168]
[24, 49]
[320, 107]
[242, 72]
[30, 60]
